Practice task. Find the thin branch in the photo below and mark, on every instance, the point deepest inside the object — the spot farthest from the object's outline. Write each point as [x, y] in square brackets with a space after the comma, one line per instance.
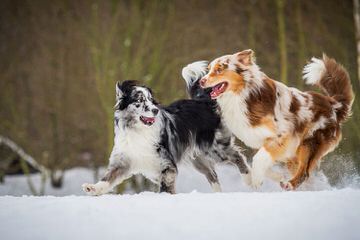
[17, 149]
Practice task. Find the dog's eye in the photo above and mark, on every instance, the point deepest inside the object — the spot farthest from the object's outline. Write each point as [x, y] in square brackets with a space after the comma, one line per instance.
[140, 99]
[218, 71]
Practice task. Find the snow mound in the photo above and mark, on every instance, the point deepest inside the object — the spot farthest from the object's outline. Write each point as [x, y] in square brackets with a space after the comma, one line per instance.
[282, 215]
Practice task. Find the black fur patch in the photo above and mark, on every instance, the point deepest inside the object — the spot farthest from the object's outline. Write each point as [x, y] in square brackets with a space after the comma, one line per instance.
[189, 118]
[198, 93]
[127, 88]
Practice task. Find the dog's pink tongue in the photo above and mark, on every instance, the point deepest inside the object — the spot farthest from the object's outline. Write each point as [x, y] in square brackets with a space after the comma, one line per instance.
[215, 91]
[149, 119]
[152, 120]
[213, 94]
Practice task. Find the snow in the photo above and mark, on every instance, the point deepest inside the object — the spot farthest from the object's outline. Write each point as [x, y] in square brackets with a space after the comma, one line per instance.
[188, 180]
[246, 215]
[17, 185]
[316, 211]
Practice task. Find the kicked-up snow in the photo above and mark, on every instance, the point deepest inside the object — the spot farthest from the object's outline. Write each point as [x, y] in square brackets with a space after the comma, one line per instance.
[244, 215]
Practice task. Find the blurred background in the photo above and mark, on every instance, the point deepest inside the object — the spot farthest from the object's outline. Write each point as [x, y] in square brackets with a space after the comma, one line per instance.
[59, 61]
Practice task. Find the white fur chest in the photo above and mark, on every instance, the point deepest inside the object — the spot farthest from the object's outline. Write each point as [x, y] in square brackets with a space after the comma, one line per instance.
[139, 147]
[234, 113]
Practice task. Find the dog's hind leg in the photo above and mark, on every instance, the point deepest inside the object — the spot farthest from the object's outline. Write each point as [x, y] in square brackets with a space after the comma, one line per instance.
[115, 174]
[225, 150]
[303, 153]
[308, 156]
[240, 161]
[234, 156]
[208, 170]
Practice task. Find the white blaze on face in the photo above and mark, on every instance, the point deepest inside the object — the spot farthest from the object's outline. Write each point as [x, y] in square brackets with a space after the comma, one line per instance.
[143, 104]
[144, 91]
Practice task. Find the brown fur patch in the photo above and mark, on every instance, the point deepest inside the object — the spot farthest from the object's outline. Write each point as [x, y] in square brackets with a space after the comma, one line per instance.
[277, 146]
[238, 69]
[261, 103]
[235, 81]
[336, 83]
[295, 105]
[311, 150]
[302, 158]
[299, 126]
[268, 122]
[322, 106]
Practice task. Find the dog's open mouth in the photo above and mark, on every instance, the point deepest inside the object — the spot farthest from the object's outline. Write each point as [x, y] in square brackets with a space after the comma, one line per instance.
[218, 89]
[147, 120]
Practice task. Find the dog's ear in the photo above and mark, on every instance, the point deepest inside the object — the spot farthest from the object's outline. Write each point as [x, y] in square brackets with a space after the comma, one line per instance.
[119, 92]
[119, 95]
[246, 57]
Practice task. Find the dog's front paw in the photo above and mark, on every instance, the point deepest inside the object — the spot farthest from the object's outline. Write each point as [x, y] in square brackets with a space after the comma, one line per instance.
[96, 189]
[287, 186]
[256, 181]
[246, 178]
[89, 189]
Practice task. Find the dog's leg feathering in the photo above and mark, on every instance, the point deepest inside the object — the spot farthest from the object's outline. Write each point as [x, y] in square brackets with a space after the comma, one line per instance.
[208, 170]
[115, 174]
[240, 161]
[262, 161]
[167, 180]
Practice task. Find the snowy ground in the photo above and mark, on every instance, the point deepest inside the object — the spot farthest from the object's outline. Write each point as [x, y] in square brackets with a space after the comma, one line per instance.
[187, 181]
[282, 215]
[316, 211]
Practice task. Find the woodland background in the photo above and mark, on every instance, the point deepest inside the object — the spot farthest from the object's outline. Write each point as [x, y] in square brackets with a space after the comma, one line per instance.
[59, 61]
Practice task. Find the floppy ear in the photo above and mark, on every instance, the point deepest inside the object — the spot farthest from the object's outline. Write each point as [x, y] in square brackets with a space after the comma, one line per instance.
[119, 92]
[246, 57]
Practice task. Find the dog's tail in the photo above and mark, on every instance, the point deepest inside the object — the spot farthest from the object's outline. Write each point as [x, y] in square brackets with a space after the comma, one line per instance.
[192, 73]
[334, 80]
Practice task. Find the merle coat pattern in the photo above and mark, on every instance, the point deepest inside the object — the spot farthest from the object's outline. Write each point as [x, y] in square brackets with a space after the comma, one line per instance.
[151, 140]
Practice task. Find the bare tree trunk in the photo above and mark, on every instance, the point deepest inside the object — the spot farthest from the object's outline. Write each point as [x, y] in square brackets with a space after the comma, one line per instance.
[282, 40]
[301, 42]
[357, 32]
[251, 25]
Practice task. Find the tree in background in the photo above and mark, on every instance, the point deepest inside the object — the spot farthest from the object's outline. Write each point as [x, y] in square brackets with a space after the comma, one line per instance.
[125, 51]
[280, 4]
[357, 33]
[301, 42]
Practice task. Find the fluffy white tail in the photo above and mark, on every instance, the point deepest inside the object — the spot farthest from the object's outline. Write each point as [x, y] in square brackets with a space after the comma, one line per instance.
[314, 71]
[194, 72]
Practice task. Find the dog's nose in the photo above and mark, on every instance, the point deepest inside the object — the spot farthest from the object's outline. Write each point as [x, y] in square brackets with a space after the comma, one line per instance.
[155, 111]
[202, 82]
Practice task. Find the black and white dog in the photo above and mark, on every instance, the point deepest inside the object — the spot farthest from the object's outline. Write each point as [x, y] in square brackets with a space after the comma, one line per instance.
[151, 139]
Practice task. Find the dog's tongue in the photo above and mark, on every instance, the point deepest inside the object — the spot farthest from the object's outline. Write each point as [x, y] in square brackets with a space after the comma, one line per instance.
[148, 120]
[216, 90]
